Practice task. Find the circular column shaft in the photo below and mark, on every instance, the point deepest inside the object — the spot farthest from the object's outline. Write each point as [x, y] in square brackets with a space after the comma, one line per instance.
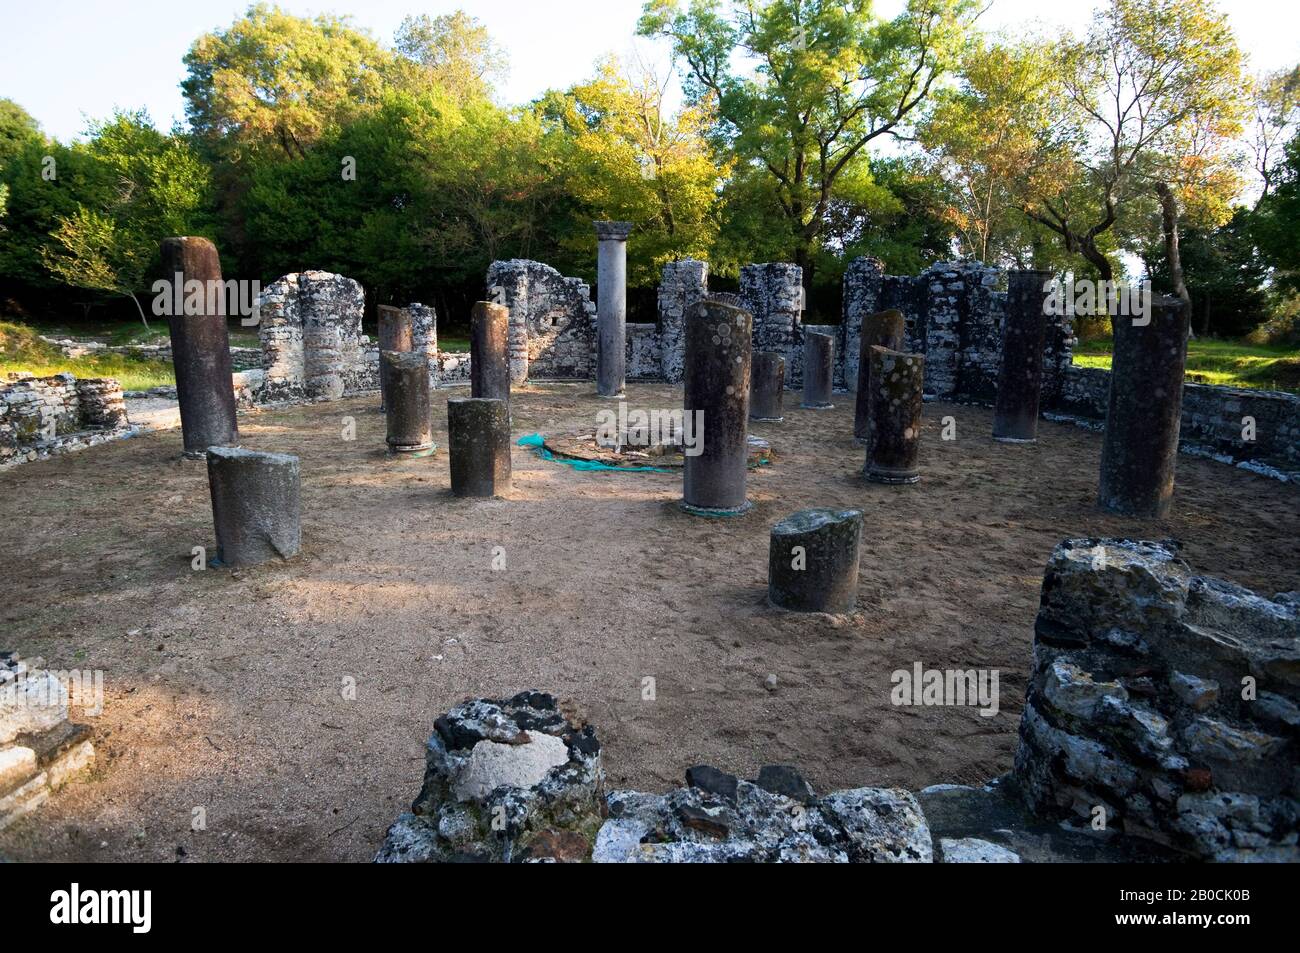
[1140, 446]
[1020, 376]
[611, 307]
[894, 426]
[882, 329]
[396, 333]
[813, 561]
[478, 436]
[406, 374]
[489, 351]
[256, 506]
[201, 348]
[716, 382]
[767, 387]
[818, 370]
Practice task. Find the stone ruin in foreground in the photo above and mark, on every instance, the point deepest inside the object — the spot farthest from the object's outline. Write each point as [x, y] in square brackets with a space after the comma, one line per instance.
[1162, 722]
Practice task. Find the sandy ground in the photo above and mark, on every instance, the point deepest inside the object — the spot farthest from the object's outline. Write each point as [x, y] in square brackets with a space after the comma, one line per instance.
[225, 690]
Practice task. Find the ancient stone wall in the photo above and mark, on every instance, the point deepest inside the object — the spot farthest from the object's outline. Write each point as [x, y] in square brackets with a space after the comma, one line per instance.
[682, 285]
[40, 416]
[773, 292]
[552, 320]
[310, 332]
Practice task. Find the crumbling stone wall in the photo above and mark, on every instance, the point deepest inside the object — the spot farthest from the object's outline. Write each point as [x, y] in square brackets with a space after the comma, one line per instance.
[552, 331]
[1164, 703]
[40, 416]
[642, 345]
[682, 285]
[773, 293]
[310, 332]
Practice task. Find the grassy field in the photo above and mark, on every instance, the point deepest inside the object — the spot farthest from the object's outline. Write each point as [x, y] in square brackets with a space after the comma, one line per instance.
[21, 349]
[1226, 363]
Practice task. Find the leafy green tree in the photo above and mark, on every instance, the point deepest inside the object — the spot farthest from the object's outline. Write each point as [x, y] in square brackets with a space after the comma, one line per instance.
[453, 51]
[1277, 222]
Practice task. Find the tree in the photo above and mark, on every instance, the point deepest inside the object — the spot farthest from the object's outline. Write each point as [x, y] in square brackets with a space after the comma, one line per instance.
[1277, 114]
[453, 51]
[17, 130]
[1277, 221]
[828, 78]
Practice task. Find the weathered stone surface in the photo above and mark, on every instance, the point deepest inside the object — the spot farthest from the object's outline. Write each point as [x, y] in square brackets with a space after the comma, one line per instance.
[552, 320]
[31, 702]
[894, 424]
[611, 307]
[521, 763]
[718, 342]
[310, 332]
[1140, 447]
[256, 505]
[972, 850]
[818, 371]
[813, 561]
[883, 825]
[478, 438]
[881, 329]
[396, 333]
[489, 351]
[767, 387]
[406, 374]
[682, 285]
[1020, 376]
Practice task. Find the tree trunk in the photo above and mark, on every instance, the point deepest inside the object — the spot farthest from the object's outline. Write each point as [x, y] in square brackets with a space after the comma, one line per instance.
[1169, 225]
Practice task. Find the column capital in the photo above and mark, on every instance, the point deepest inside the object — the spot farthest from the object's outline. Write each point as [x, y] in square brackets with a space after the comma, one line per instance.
[613, 231]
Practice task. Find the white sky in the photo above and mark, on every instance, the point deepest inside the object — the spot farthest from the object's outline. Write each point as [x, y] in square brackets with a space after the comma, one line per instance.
[67, 60]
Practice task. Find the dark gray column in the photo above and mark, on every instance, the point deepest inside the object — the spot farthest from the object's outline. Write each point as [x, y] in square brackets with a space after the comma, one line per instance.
[407, 411]
[767, 386]
[489, 351]
[1020, 377]
[478, 438]
[396, 333]
[201, 349]
[882, 329]
[611, 307]
[894, 427]
[813, 561]
[818, 370]
[256, 506]
[1140, 446]
[716, 379]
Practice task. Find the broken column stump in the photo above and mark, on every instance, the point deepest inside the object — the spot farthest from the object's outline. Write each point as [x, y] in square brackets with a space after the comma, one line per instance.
[767, 387]
[894, 426]
[813, 561]
[818, 370]
[256, 505]
[716, 378]
[1020, 376]
[478, 435]
[201, 348]
[1140, 446]
[489, 362]
[882, 329]
[396, 333]
[406, 374]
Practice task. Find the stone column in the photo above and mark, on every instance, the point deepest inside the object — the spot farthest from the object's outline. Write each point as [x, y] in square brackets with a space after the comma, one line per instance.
[719, 336]
[1020, 375]
[1140, 446]
[882, 329]
[894, 426]
[201, 349]
[489, 357]
[813, 561]
[611, 307]
[478, 436]
[256, 506]
[396, 333]
[818, 370]
[767, 387]
[405, 375]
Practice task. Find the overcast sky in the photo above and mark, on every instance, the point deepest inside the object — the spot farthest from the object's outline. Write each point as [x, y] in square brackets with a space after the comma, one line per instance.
[67, 60]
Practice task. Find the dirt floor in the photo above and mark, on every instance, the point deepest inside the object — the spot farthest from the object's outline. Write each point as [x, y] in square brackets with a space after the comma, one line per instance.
[224, 691]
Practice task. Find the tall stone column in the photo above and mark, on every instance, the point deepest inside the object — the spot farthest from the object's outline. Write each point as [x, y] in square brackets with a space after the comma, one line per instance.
[478, 439]
[406, 379]
[611, 307]
[201, 349]
[818, 370]
[767, 387]
[719, 335]
[256, 505]
[882, 329]
[1140, 446]
[396, 333]
[489, 351]
[813, 561]
[894, 427]
[1020, 375]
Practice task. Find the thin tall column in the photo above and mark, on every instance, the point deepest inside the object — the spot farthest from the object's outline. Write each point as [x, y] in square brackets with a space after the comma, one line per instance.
[882, 329]
[813, 561]
[407, 412]
[1020, 377]
[818, 370]
[478, 438]
[894, 430]
[201, 348]
[716, 379]
[767, 387]
[396, 333]
[489, 354]
[256, 505]
[611, 307]
[1140, 446]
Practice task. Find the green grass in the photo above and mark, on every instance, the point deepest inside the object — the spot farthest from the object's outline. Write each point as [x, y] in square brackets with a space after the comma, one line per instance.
[1226, 363]
[21, 349]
